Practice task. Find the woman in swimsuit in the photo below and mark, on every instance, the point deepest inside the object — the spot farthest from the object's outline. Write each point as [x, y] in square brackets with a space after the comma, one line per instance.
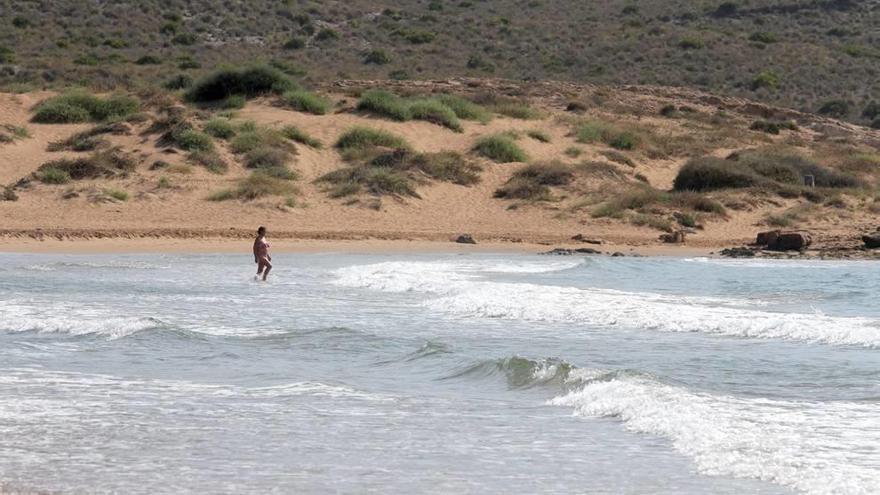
[261, 254]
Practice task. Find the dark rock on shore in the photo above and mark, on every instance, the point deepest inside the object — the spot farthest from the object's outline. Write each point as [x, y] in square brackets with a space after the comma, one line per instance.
[777, 240]
[584, 239]
[570, 252]
[738, 252]
[677, 237]
[465, 239]
[872, 241]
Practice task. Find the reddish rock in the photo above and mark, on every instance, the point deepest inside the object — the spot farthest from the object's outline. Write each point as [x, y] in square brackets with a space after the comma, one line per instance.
[791, 241]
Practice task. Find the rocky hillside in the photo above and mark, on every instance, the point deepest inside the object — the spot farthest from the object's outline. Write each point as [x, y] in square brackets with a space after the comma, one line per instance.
[812, 55]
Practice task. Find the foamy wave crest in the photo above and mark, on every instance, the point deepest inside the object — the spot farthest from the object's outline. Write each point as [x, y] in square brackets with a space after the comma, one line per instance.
[435, 277]
[815, 448]
[465, 292]
[20, 318]
[653, 312]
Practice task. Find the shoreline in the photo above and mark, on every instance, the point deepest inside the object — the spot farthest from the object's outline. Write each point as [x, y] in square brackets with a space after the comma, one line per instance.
[63, 241]
[192, 241]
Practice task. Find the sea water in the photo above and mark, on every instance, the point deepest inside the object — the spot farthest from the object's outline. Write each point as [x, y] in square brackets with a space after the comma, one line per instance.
[438, 373]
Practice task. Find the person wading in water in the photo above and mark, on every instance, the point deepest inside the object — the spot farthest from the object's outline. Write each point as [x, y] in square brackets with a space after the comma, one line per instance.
[261, 254]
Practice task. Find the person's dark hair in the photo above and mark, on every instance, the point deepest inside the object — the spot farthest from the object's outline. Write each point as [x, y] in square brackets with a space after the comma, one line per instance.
[261, 231]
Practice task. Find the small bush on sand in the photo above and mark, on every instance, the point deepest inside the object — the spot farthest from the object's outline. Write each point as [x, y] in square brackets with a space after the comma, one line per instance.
[500, 149]
[465, 109]
[298, 135]
[377, 57]
[591, 131]
[386, 104]
[110, 163]
[305, 101]
[53, 175]
[533, 182]
[213, 162]
[7, 194]
[359, 138]
[193, 140]
[758, 168]
[257, 185]
[516, 110]
[220, 128]
[266, 157]
[117, 194]
[180, 81]
[539, 136]
[436, 112]
[249, 82]
[79, 106]
[398, 172]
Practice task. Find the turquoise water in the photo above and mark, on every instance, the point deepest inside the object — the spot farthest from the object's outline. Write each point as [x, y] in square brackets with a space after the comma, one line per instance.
[438, 373]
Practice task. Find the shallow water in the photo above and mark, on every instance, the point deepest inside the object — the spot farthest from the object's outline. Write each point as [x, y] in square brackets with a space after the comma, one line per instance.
[438, 374]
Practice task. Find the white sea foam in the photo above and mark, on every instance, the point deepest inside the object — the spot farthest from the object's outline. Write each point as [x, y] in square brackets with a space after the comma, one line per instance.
[816, 448]
[115, 265]
[67, 320]
[465, 293]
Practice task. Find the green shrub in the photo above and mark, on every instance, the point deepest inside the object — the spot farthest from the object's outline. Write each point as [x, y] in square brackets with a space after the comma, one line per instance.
[220, 128]
[835, 108]
[374, 180]
[464, 109]
[377, 57]
[385, 104]
[163, 183]
[7, 56]
[618, 157]
[116, 194]
[212, 161]
[8, 194]
[772, 127]
[110, 163]
[53, 175]
[246, 140]
[595, 130]
[249, 82]
[180, 81]
[533, 182]
[416, 36]
[573, 151]
[79, 106]
[766, 79]
[234, 102]
[185, 39]
[359, 138]
[500, 149]
[327, 34]
[305, 101]
[539, 136]
[294, 43]
[691, 43]
[763, 37]
[871, 111]
[257, 185]
[397, 172]
[708, 173]
[757, 168]
[266, 157]
[516, 110]
[193, 140]
[436, 112]
[148, 60]
[296, 134]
